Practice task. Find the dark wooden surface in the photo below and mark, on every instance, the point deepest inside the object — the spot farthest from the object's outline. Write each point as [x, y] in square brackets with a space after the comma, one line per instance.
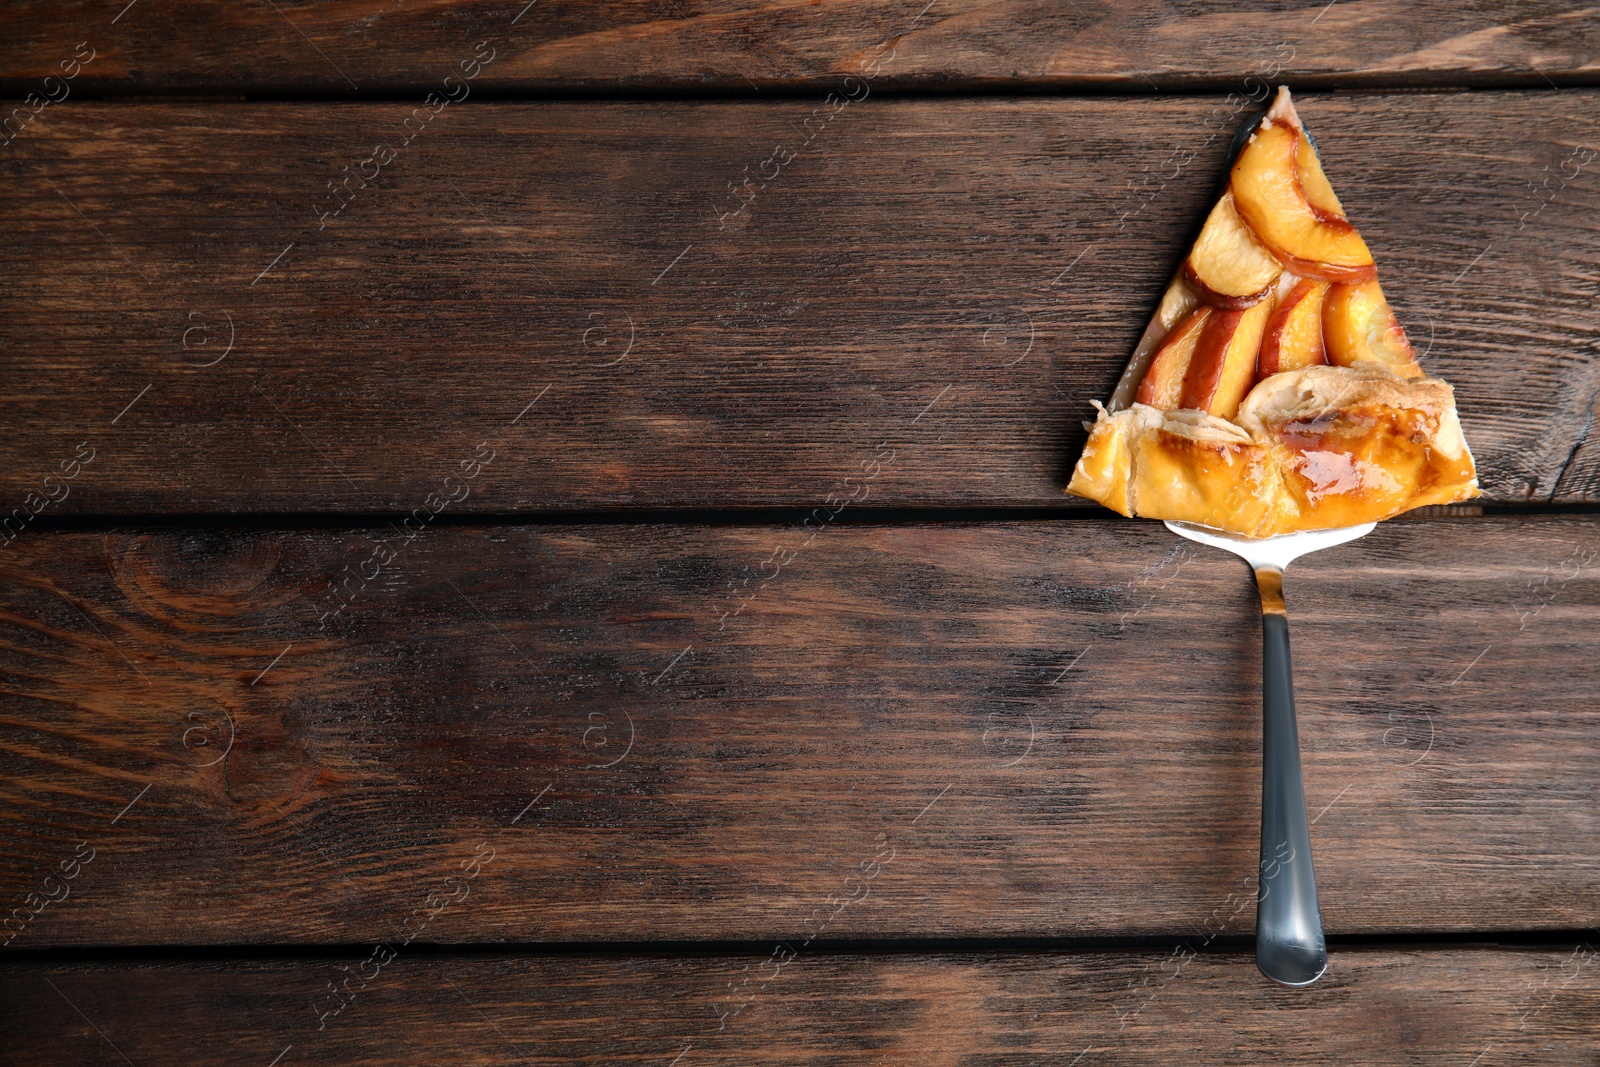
[1051, 727]
[233, 759]
[957, 278]
[1417, 1005]
[362, 46]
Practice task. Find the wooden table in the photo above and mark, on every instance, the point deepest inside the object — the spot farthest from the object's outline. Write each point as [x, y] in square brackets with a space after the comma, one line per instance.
[535, 535]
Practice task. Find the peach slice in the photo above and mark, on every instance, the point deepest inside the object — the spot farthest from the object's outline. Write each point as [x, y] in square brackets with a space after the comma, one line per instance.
[1267, 190]
[1224, 364]
[1314, 183]
[1163, 381]
[1358, 325]
[1294, 333]
[1227, 265]
[1179, 299]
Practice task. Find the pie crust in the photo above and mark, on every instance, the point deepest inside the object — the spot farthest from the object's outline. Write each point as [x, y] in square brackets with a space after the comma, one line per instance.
[1273, 390]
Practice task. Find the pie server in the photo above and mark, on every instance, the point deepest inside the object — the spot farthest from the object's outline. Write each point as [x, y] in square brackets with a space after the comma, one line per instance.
[1289, 942]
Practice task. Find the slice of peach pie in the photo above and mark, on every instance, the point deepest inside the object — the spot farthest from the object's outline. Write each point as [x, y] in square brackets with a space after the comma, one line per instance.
[1274, 391]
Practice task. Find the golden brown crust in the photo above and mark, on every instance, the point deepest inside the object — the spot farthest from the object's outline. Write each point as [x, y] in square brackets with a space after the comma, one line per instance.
[1311, 391]
[1313, 449]
[1102, 470]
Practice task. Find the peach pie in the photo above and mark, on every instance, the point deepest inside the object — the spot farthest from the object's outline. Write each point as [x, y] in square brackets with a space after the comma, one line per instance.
[1274, 391]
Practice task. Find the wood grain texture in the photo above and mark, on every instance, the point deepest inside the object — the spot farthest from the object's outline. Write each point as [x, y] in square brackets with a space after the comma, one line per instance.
[356, 46]
[1047, 729]
[1504, 1006]
[957, 279]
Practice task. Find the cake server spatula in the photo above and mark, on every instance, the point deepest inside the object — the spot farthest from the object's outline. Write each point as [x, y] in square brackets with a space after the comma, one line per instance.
[1289, 942]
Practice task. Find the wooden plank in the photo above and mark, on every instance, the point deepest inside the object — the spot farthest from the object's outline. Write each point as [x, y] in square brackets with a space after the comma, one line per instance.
[952, 280]
[360, 46]
[1448, 1005]
[1014, 729]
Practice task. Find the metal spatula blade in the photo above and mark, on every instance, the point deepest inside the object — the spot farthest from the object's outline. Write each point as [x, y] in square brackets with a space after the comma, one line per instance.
[1289, 944]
